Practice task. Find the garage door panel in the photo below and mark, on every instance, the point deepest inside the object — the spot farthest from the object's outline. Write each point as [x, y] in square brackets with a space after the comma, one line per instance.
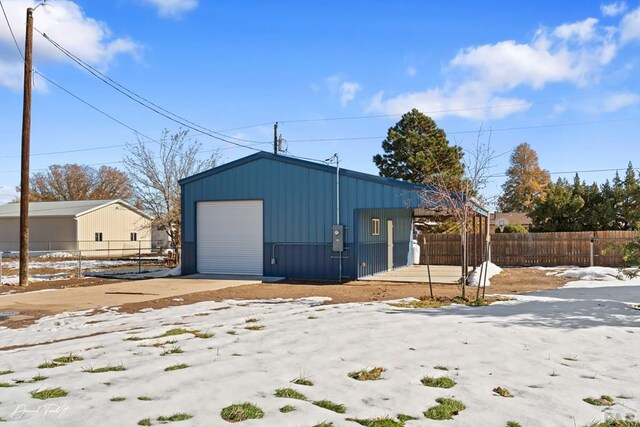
[230, 237]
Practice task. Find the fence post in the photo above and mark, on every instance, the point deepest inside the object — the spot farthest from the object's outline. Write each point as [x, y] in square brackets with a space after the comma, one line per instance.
[0, 268]
[139, 259]
[591, 240]
[79, 263]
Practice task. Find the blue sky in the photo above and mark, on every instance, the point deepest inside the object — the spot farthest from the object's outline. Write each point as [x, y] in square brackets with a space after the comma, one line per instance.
[562, 76]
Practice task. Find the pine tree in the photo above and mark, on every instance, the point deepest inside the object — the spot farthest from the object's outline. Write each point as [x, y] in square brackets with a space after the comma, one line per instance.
[558, 210]
[416, 150]
[630, 204]
[526, 181]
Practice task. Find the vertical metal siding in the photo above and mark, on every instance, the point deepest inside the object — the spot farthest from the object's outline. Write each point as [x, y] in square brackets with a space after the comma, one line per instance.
[372, 250]
[299, 209]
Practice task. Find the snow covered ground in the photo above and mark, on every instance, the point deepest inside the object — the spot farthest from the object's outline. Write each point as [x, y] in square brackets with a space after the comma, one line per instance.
[70, 267]
[551, 350]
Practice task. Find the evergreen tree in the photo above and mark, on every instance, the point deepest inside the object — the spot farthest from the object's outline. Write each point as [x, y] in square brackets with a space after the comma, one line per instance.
[559, 209]
[607, 210]
[416, 150]
[630, 204]
[526, 181]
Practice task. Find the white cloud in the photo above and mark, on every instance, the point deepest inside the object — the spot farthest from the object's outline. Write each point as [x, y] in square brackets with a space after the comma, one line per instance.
[581, 30]
[613, 9]
[65, 22]
[411, 71]
[173, 8]
[342, 88]
[348, 92]
[470, 101]
[630, 26]
[479, 78]
[615, 102]
[7, 193]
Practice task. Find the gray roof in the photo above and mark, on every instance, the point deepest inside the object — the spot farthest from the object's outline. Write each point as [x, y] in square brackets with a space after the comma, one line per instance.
[68, 208]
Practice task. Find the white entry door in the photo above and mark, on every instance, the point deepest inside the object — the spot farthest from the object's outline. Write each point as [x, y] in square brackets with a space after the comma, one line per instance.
[229, 237]
[389, 244]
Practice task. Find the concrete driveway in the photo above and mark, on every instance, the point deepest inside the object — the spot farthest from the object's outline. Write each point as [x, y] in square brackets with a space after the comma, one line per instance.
[114, 294]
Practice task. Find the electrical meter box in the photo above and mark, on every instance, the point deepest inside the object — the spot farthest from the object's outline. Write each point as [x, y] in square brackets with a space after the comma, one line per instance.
[337, 237]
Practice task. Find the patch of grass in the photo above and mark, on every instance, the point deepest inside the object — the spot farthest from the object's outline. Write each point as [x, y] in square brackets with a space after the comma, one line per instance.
[49, 393]
[377, 422]
[144, 422]
[404, 418]
[6, 385]
[174, 332]
[203, 335]
[180, 416]
[324, 424]
[118, 399]
[441, 368]
[440, 382]
[616, 422]
[290, 393]
[48, 365]
[513, 424]
[176, 367]
[571, 359]
[135, 338]
[70, 358]
[231, 332]
[327, 404]
[302, 380]
[367, 375]
[287, 408]
[603, 400]
[241, 412]
[252, 320]
[108, 368]
[37, 378]
[502, 392]
[172, 350]
[445, 410]
[6, 372]
[312, 317]
[145, 398]
[254, 327]
[423, 303]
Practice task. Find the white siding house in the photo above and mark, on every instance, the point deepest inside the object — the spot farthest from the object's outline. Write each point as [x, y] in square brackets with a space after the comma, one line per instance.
[95, 227]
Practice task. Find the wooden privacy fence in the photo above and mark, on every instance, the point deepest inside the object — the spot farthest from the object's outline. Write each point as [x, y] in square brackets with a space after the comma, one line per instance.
[601, 248]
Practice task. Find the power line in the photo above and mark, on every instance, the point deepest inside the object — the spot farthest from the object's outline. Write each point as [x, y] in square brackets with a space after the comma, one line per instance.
[11, 31]
[575, 172]
[145, 102]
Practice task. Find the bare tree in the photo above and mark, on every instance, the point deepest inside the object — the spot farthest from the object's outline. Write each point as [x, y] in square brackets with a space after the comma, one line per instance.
[458, 200]
[154, 176]
[78, 182]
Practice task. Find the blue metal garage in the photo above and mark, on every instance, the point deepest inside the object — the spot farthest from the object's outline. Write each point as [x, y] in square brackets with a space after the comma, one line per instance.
[279, 216]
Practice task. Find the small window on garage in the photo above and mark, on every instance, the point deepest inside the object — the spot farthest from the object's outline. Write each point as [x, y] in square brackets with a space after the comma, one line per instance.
[375, 226]
[98, 237]
[133, 236]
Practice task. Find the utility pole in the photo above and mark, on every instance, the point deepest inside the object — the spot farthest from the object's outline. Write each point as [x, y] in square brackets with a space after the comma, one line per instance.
[26, 142]
[275, 138]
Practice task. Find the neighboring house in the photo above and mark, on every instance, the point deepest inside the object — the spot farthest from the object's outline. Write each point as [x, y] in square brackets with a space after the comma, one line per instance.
[95, 227]
[500, 220]
[275, 215]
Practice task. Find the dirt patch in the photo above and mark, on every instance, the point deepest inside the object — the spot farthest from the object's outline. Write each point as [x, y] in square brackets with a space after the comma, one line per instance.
[72, 282]
[510, 281]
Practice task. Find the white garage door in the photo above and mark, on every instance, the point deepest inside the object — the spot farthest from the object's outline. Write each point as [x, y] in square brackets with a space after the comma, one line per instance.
[229, 237]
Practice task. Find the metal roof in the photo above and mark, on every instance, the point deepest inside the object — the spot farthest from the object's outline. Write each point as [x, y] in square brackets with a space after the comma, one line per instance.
[304, 163]
[72, 208]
